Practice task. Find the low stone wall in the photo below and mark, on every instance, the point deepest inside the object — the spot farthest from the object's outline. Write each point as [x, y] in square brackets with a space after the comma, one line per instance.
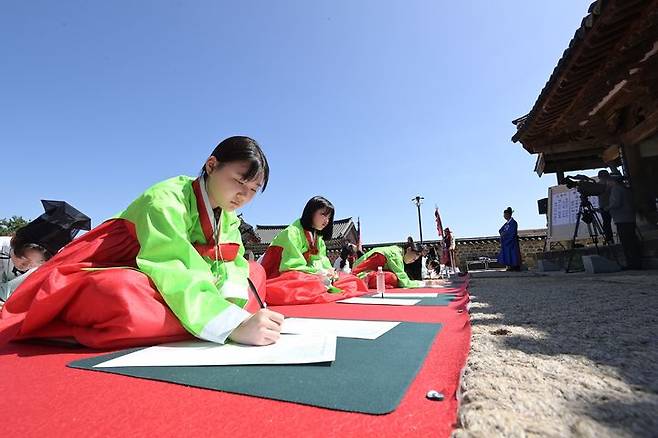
[467, 249]
[474, 248]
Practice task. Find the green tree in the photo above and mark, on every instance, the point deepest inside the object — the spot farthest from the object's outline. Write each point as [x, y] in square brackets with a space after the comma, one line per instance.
[8, 226]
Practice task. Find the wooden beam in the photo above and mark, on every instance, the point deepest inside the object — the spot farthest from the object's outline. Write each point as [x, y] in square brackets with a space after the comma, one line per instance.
[613, 72]
[584, 79]
[611, 153]
[561, 81]
[570, 146]
[643, 130]
[590, 153]
[617, 39]
[571, 165]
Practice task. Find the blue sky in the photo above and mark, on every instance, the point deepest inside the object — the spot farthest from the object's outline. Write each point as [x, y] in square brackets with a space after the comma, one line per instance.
[365, 102]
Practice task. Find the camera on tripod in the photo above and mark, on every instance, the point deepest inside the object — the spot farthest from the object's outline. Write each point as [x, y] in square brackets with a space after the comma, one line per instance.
[585, 185]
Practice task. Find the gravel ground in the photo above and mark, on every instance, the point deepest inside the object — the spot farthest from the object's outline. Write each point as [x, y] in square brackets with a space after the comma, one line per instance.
[562, 355]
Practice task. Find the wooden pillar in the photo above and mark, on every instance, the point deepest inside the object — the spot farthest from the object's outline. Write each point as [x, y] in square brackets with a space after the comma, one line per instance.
[642, 196]
[560, 177]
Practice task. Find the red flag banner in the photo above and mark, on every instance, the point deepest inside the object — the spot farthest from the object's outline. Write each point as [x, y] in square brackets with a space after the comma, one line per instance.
[439, 225]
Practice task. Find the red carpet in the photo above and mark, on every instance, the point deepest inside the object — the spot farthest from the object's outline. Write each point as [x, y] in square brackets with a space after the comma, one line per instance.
[41, 396]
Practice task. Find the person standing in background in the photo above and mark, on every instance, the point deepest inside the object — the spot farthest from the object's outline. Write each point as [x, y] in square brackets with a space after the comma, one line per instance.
[510, 252]
[604, 200]
[622, 211]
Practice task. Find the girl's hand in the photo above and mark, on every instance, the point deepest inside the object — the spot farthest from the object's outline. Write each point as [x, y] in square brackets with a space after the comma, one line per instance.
[329, 275]
[261, 328]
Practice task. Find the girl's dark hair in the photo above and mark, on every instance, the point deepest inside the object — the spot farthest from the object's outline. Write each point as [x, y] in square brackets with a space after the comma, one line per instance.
[239, 148]
[345, 252]
[414, 246]
[433, 265]
[20, 244]
[314, 204]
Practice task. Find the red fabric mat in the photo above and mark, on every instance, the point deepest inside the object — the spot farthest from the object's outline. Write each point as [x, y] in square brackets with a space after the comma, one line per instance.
[447, 288]
[460, 302]
[423, 290]
[41, 396]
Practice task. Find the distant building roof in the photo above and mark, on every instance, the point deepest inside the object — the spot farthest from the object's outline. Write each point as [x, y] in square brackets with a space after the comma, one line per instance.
[247, 232]
[266, 233]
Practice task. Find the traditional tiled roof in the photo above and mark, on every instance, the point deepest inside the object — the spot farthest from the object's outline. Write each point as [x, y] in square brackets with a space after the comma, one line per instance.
[247, 232]
[266, 233]
[608, 65]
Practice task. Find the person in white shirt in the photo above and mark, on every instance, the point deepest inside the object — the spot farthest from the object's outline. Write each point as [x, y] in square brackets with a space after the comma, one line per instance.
[17, 260]
[35, 243]
[346, 259]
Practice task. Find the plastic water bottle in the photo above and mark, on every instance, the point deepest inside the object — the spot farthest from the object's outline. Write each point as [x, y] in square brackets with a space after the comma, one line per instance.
[381, 287]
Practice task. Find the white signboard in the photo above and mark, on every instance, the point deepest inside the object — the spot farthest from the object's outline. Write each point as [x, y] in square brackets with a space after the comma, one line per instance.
[563, 205]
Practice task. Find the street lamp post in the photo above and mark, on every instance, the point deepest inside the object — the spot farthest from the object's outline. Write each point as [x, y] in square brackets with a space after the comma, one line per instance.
[419, 200]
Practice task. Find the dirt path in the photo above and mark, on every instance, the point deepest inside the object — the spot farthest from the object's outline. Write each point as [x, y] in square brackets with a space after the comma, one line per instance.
[563, 355]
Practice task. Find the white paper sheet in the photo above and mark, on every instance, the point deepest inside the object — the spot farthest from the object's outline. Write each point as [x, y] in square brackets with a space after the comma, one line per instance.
[289, 349]
[380, 301]
[406, 295]
[342, 328]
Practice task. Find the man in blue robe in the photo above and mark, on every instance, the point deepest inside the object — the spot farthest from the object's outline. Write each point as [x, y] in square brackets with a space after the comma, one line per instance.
[510, 253]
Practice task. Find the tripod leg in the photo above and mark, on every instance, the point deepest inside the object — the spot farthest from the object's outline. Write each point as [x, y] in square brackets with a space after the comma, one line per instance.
[573, 241]
[598, 224]
[591, 229]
